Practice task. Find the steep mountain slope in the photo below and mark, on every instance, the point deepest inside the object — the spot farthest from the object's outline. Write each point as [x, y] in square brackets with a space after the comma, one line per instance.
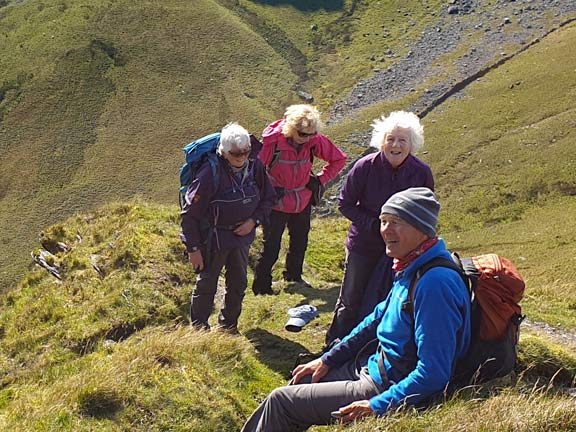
[97, 98]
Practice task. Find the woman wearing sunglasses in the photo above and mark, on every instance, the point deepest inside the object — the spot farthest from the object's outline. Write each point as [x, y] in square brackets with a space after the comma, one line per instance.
[289, 148]
[218, 225]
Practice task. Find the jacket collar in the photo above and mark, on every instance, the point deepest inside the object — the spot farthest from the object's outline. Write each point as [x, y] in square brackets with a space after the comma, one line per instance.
[433, 252]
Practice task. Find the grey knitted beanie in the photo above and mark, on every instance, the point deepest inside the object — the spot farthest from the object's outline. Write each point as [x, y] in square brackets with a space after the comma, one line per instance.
[417, 206]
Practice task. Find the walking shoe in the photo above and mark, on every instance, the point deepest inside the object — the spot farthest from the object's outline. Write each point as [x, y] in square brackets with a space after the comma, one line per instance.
[262, 286]
[264, 292]
[200, 326]
[231, 330]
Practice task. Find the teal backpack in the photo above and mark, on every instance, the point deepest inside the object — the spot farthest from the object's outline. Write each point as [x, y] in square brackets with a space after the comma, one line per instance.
[196, 153]
[202, 150]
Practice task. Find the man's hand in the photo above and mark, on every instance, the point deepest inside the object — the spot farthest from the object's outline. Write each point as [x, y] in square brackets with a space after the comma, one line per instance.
[356, 410]
[196, 260]
[316, 368]
[245, 227]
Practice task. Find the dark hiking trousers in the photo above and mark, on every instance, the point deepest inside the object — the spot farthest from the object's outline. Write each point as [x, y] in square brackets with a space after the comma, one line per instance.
[297, 407]
[298, 229]
[357, 272]
[236, 262]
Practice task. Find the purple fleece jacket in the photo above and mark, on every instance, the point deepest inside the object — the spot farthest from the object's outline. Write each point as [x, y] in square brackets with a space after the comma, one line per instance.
[368, 186]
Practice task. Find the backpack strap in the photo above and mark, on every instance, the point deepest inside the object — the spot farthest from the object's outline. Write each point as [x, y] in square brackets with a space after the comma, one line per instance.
[276, 156]
[453, 264]
[408, 305]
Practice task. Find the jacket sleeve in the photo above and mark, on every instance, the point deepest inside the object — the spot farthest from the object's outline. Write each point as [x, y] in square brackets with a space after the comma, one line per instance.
[429, 179]
[353, 343]
[335, 158]
[439, 320]
[267, 194]
[351, 195]
[196, 207]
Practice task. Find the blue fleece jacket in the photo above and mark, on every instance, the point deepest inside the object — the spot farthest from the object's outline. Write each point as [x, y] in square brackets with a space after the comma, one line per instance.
[420, 352]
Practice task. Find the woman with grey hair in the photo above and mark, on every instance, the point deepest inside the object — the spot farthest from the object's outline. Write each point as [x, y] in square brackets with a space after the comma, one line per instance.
[289, 147]
[219, 223]
[373, 179]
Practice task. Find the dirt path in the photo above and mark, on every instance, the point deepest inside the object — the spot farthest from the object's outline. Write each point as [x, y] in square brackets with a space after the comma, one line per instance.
[558, 335]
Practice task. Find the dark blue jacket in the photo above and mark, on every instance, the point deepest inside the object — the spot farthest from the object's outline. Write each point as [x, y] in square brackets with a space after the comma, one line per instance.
[241, 196]
[420, 352]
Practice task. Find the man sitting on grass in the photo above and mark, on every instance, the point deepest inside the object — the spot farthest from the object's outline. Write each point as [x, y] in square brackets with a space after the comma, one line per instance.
[415, 357]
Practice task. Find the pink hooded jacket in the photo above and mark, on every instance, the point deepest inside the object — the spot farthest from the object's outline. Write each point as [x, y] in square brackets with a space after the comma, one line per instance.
[291, 170]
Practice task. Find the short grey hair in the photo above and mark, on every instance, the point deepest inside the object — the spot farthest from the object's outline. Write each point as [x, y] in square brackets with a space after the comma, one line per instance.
[403, 119]
[233, 135]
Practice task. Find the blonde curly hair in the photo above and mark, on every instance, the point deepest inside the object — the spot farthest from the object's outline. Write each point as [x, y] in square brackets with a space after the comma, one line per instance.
[299, 117]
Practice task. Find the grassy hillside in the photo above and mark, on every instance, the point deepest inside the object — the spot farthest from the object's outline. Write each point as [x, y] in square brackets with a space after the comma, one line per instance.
[97, 99]
[108, 347]
[87, 85]
[506, 144]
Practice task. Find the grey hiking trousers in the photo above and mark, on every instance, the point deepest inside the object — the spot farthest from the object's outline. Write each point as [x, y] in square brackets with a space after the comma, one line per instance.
[297, 407]
[236, 262]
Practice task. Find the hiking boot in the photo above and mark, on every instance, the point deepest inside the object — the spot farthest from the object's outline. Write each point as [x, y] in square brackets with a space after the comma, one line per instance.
[298, 281]
[265, 292]
[231, 330]
[262, 286]
[200, 326]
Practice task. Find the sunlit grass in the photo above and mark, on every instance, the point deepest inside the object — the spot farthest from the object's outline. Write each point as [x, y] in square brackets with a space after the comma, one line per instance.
[62, 341]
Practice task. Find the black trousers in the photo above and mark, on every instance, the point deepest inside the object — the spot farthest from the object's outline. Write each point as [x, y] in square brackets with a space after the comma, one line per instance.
[347, 315]
[298, 229]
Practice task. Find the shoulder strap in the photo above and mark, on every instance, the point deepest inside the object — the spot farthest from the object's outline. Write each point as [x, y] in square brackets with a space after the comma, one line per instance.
[276, 156]
[213, 161]
[408, 305]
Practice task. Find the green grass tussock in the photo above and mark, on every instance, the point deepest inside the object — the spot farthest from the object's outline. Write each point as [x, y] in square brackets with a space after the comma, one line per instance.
[510, 410]
[165, 378]
[117, 277]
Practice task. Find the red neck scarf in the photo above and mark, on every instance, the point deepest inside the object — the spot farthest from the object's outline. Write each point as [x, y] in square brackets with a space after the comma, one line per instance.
[401, 264]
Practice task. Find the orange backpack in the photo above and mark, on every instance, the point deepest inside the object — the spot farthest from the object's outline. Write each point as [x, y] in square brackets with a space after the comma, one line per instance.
[496, 287]
[499, 288]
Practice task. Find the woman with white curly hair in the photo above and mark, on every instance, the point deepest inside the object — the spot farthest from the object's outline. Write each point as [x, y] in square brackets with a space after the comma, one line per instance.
[374, 178]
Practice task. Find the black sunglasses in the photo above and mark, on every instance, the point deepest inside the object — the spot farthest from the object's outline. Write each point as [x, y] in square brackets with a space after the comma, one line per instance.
[240, 154]
[306, 135]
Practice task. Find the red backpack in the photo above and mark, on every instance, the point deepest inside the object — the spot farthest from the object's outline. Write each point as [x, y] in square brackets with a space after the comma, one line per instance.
[496, 287]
